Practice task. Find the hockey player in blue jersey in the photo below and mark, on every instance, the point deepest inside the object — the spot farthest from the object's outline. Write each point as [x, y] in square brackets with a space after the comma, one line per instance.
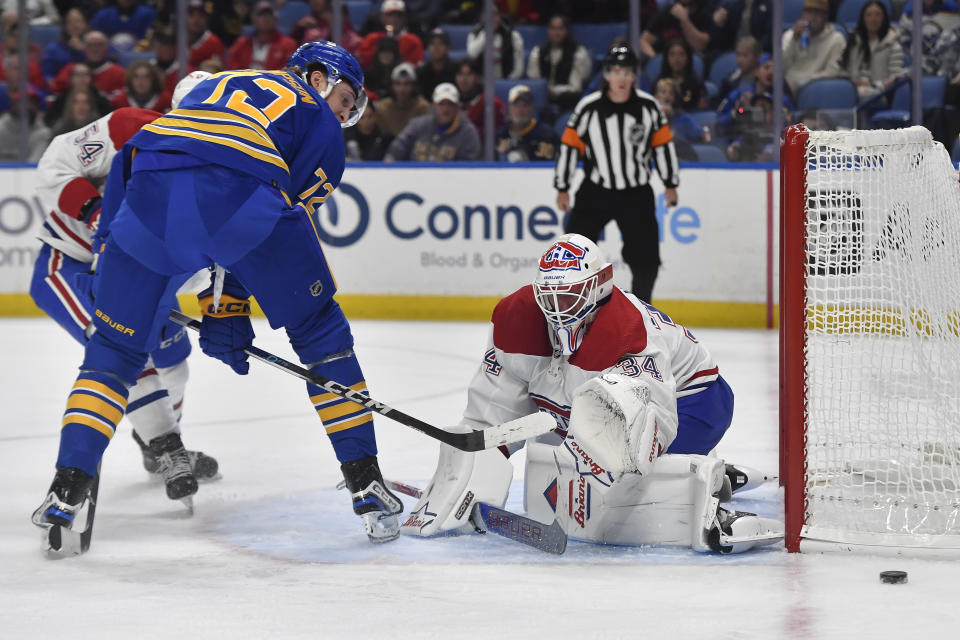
[228, 180]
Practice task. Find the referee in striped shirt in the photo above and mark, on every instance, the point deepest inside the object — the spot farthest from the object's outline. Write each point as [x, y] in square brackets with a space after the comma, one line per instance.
[620, 131]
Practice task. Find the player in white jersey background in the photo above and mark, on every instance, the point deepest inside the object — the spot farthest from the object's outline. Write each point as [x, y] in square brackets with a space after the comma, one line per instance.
[71, 176]
[639, 404]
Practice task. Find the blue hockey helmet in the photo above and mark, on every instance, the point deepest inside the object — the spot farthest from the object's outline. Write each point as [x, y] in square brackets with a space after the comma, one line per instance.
[339, 65]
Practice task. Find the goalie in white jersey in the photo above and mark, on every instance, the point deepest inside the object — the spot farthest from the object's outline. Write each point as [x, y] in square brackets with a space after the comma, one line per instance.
[639, 404]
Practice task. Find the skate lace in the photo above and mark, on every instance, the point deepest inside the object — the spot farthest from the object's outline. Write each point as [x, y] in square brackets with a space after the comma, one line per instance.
[174, 464]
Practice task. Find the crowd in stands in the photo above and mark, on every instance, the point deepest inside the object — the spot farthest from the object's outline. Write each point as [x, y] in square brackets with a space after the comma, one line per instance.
[708, 62]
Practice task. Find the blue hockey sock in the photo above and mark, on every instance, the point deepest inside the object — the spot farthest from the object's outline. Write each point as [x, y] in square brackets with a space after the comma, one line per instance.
[94, 408]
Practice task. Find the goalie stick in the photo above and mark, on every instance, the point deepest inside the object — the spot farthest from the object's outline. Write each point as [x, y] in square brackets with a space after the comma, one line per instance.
[531, 426]
[550, 538]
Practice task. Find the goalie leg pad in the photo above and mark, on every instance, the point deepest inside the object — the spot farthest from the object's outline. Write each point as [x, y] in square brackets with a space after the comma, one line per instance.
[461, 480]
[673, 505]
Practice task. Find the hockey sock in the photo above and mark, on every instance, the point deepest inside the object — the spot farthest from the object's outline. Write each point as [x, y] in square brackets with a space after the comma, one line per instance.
[349, 425]
[94, 408]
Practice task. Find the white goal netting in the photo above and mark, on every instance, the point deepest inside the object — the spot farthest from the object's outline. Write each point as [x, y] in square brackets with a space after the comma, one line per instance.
[883, 340]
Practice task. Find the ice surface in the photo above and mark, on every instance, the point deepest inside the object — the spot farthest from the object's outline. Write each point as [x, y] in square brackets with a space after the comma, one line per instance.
[273, 550]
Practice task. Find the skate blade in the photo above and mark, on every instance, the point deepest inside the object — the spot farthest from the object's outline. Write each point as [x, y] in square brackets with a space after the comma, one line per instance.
[188, 503]
[60, 542]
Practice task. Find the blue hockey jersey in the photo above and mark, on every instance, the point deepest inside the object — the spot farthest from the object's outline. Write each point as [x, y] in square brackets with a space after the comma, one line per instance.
[268, 124]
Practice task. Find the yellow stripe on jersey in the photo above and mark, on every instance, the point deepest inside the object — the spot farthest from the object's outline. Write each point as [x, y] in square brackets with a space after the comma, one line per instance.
[223, 116]
[227, 142]
[241, 131]
[102, 389]
[94, 404]
[89, 421]
[323, 398]
[356, 422]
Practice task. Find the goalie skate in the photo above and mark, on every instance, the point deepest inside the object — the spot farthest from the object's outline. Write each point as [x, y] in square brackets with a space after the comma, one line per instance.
[739, 531]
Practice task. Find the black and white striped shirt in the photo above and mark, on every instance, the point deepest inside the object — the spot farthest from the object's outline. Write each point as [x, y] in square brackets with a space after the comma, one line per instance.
[618, 143]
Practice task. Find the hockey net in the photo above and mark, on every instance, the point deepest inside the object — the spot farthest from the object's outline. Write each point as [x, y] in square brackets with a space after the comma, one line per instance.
[870, 339]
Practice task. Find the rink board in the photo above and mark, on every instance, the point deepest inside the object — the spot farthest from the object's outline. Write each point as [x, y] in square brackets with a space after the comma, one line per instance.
[446, 241]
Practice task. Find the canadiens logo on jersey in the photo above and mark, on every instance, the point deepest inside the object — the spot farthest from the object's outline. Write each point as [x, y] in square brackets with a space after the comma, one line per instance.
[562, 256]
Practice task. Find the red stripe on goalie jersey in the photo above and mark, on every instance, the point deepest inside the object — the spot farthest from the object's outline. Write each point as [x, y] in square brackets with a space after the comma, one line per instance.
[519, 325]
[619, 328]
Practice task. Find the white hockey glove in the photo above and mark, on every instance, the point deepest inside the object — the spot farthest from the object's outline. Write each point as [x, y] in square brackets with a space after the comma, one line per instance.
[616, 419]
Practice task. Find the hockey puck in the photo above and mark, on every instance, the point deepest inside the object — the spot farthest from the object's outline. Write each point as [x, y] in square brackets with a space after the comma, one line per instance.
[893, 577]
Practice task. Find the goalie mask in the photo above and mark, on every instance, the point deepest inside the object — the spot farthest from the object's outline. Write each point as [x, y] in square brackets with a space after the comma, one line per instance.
[574, 279]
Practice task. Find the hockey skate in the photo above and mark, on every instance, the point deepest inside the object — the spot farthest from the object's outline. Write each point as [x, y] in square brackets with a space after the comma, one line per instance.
[739, 531]
[67, 512]
[174, 467]
[204, 467]
[372, 501]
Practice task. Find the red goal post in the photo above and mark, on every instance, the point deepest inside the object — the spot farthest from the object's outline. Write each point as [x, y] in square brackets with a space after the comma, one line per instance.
[869, 341]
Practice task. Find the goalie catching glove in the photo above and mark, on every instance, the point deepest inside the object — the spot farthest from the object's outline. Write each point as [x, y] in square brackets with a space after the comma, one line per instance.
[618, 420]
[225, 331]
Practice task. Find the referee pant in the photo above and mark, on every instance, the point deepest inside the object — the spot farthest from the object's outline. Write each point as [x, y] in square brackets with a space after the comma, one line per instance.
[635, 212]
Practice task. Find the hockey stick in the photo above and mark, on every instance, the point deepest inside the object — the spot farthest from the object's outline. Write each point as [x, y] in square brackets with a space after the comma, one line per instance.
[485, 517]
[531, 426]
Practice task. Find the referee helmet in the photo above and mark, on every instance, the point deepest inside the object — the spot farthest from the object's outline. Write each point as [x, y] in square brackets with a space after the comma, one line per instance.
[620, 55]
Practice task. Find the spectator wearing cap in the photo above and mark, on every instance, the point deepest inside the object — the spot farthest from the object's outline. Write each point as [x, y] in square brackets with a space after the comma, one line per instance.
[318, 25]
[81, 78]
[442, 136]
[816, 55]
[404, 102]
[377, 78]
[507, 46]
[747, 114]
[393, 16]
[204, 44]
[439, 68]
[266, 47]
[470, 85]
[125, 23]
[69, 47]
[748, 59]
[144, 88]
[108, 77]
[565, 64]
[366, 142]
[523, 138]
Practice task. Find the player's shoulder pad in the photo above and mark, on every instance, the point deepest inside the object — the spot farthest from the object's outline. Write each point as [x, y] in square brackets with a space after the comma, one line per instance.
[619, 328]
[519, 325]
[123, 123]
